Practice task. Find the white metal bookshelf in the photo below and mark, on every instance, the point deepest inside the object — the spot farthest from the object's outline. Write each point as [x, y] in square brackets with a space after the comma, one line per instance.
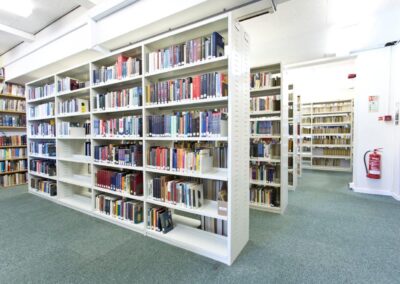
[76, 186]
[327, 134]
[265, 93]
[292, 138]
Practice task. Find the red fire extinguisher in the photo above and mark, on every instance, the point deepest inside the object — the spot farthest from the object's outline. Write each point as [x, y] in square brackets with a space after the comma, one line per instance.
[373, 170]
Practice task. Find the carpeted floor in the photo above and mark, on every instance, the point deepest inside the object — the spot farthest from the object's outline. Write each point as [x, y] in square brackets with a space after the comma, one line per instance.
[327, 235]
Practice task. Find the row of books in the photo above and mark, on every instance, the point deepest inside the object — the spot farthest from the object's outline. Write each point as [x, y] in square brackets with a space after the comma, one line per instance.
[176, 191]
[328, 162]
[88, 148]
[268, 104]
[264, 79]
[332, 151]
[126, 98]
[125, 67]
[74, 129]
[119, 208]
[334, 107]
[191, 51]
[331, 129]
[265, 195]
[332, 119]
[11, 166]
[265, 149]
[43, 148]
[12, 89]
[13, 179]
[42, 128]
[219, 152]
[43, 185]
[159, 219]
[213, 225]
[10, 153]
[209, 85]
[41, 92]
[42, 110]
[13, 120]
[12, 105]
[264, 172]
[73, 105]
[122, 154]
[182, 158]
[120, 181]
[189, 124]
[332, 140]
[124, 126]
[13, 140]
[70, 84]
[47, 167]
[265, 127]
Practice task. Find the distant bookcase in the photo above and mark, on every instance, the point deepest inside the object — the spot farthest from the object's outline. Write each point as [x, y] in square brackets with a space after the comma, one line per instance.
[292, 138]
[327, 135]
[13, 156]
[112, 139]
[268, 139]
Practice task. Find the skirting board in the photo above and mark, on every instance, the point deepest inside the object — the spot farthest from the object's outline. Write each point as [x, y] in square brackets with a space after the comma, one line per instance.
[375, 192]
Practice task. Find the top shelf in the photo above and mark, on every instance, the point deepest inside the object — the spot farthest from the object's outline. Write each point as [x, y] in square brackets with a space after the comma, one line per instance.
[10, 96]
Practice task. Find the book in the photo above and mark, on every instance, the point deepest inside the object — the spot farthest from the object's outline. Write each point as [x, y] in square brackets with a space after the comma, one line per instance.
[70, 84]
[43, 185]
[12, 105]
[265, 148]
[13, 120]
[13, 140]
[42, 110]
[10, 166]
[125, 67]
[264, 79]
[7, 180]
[74, 129]
[166, 221]
[74, 105]
[41, 91]
[120, 181]
[120, 208]
[122, 154]
[47, 167]
[12, 153]
[126, 98]
[12, 89]
[42, 148]
[265, 195]
[126, 126]
[47, 129]
[265, 172]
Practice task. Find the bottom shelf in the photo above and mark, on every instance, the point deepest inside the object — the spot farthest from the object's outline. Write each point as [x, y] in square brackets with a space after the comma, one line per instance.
[42, 194]
[266, 208]
[8, 186]
[78, 202]
[195, 240]
[122, 223]
[322, 168]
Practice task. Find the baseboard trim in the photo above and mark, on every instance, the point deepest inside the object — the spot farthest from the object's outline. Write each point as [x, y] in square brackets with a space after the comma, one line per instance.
[374, 192]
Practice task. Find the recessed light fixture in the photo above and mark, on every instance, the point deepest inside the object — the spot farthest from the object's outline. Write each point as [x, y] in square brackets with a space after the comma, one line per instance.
[21, 8]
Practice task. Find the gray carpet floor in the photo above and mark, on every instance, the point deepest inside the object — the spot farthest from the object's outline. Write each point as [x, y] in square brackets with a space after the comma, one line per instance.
[327, 235]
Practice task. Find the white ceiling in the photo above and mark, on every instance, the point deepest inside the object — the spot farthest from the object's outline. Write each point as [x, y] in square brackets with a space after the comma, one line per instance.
[309, 29]
[44, 13]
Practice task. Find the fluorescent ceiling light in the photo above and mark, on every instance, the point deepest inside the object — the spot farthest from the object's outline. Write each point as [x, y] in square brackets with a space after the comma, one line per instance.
[21, 8]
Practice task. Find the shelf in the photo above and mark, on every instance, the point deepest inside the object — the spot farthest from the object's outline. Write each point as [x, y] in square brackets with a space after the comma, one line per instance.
[43, 99]
[9, 96]
[121, 194]
[42, 175]
[325, 168]
[76, 92]
[123, 223]
[266, 160]
[195, 240]
[120, 109]
[332, 157]
[42, 118]
[117, 166]
[116, 82]
[8, 186]
[331, 124]
[266, 119]
[331, 114]
[265, 89]
[14, 159]
[41, 137]
[78, 180]
[264, 183]
[265, 136]
[208, 209]
[265, 207]
[42, 156]
[217, 174]
[42, 194]
[331, 145]
[79, 202]
[13, 111]
[189, 102]
[263, 112]
[13, 127]
[80, 160]
[186, 138]
[12, 146]
[117, 138]
[74, 114]
[198, 67]
[330, 134]
[13, 172]
[73, 138]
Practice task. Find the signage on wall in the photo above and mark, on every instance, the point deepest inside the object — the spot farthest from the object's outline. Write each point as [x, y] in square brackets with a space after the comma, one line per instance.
[373, 103]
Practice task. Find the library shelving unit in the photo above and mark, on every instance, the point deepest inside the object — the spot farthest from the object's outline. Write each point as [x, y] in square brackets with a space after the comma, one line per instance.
[13, 158]
[268, 140]
[327, 133]
[298, 132]
[81, 172]
[292, 138]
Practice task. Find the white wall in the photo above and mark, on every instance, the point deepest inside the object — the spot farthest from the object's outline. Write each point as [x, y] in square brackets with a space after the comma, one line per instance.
[374, 78]
[323, 81]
